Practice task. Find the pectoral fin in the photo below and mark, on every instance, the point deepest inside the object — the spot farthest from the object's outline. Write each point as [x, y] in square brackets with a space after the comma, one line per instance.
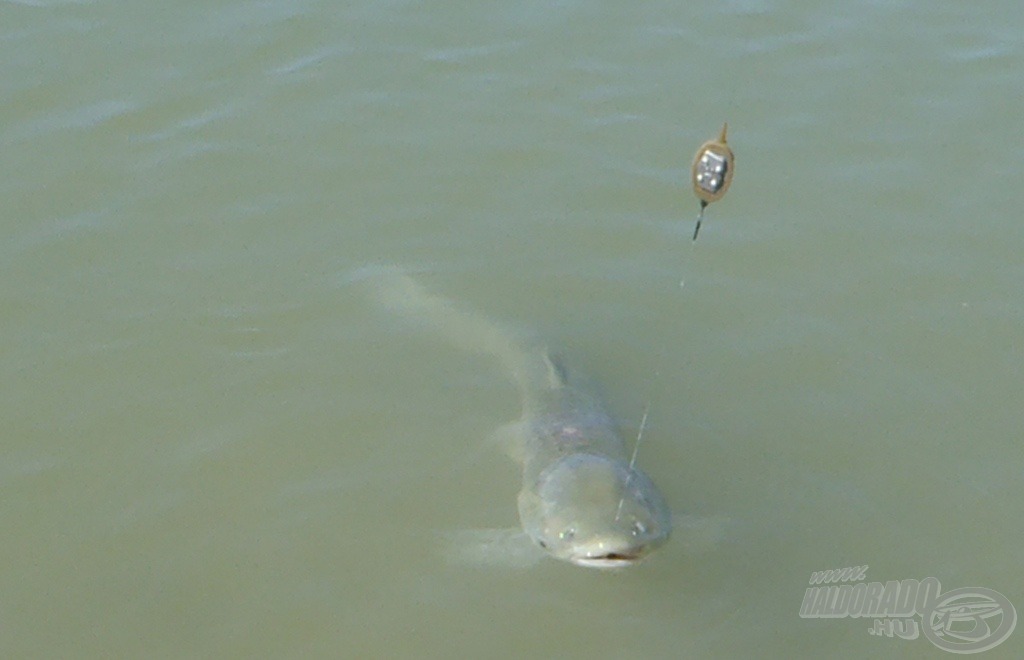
[701, 534]
[510, 548]
[511, 440]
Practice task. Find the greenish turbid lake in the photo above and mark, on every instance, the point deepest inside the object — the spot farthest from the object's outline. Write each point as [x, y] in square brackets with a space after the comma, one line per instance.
[216, 445]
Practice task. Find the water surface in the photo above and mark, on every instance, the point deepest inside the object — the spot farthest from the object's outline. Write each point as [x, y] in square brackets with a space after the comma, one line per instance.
[216, 446]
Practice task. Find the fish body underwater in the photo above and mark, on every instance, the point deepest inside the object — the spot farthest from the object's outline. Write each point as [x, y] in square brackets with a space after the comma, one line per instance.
[582, 500]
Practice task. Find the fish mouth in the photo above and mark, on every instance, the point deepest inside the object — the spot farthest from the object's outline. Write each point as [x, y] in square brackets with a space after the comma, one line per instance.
[607, 560]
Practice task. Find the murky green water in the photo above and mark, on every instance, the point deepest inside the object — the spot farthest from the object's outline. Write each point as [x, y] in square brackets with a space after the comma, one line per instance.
[215, 445]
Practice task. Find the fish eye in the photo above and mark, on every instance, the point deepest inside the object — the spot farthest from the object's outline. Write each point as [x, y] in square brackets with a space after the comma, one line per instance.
[638, 528]
[567, 534]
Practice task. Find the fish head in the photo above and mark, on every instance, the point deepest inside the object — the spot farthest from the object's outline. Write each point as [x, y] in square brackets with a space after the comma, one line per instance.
[594, 511]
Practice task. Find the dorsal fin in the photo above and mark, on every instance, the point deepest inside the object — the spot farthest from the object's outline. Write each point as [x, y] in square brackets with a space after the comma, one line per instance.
[558, 376]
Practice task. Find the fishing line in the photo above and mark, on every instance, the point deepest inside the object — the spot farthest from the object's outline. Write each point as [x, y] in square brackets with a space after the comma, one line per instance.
[632, 460]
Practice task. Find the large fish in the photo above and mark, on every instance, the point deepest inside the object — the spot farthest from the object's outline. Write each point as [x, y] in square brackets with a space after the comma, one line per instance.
[583, 500]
